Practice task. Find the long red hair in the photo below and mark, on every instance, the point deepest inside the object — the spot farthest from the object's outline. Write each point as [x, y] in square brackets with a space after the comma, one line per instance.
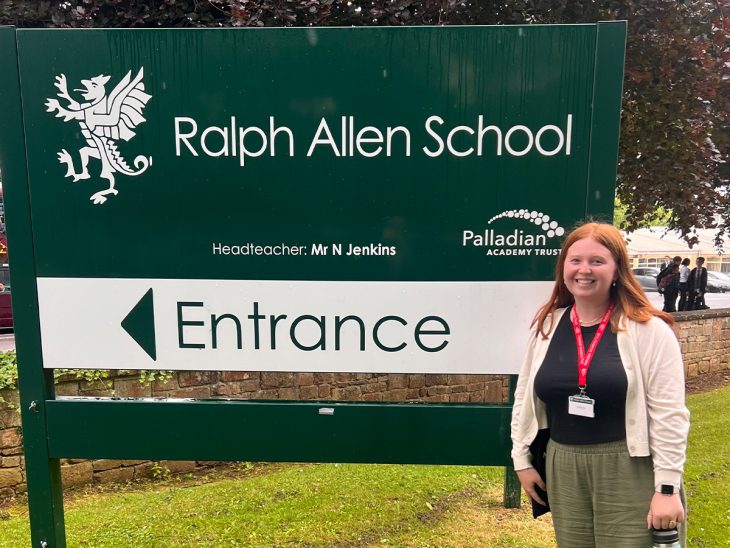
[627, 296]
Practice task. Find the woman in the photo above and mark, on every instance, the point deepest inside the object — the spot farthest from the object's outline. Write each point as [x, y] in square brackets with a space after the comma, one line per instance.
[618, 424]
[683, 288]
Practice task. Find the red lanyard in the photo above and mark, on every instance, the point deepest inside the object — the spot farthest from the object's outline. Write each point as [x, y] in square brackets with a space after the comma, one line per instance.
[585, 357]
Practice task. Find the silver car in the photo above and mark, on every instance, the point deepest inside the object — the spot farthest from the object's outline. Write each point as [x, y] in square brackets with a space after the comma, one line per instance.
[646, 276]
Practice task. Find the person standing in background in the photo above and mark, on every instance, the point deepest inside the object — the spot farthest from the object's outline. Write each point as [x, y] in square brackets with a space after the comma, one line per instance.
[697, 283]
[683, 289]
[666, 270]
[670, 287]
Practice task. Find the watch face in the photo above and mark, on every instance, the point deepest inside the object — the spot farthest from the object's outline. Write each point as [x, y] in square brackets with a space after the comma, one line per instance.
[667, 489]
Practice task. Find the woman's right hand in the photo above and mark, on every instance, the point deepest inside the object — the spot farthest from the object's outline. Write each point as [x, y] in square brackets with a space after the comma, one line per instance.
[529, 478]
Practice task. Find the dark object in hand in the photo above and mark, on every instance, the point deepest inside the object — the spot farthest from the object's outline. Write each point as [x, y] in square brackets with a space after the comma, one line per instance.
[538, 449]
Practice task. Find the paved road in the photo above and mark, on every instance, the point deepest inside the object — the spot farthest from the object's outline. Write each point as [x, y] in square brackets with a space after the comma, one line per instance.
[7, 340]
[713, 300]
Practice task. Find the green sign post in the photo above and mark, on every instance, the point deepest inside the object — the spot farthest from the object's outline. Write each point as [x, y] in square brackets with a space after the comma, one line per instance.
[384, 200]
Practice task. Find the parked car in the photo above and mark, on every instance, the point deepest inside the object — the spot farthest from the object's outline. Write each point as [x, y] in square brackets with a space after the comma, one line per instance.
[646, 276]
[6, 310]
[717, 282]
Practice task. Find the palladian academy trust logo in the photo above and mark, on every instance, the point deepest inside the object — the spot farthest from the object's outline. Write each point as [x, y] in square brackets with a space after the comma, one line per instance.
[530, 241]
[549, 227]
[104, 119]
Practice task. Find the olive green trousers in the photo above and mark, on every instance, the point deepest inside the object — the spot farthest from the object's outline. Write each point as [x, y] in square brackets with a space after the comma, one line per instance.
[600, 495]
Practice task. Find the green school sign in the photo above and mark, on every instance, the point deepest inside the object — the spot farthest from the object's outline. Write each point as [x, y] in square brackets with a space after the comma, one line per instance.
[384, 200]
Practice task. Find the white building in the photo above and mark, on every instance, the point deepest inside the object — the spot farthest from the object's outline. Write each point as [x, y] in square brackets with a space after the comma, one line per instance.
[649, 246]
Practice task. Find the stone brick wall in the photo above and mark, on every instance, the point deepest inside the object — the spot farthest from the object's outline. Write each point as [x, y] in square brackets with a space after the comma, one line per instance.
[703, 335]
[298, 386]
[227, 384]
[12, 464]
[705, 339]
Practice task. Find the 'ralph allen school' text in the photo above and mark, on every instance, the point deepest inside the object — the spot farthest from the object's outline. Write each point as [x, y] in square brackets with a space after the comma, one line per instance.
[351, 139]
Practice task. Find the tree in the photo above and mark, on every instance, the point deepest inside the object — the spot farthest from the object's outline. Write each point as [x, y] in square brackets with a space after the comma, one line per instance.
[675, 130]
[675, 125]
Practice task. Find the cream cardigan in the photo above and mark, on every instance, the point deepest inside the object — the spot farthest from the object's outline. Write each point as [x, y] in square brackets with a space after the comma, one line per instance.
[657, 421]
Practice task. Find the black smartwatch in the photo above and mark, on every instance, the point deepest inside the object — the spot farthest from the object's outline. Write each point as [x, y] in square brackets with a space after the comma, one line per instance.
[667, 489]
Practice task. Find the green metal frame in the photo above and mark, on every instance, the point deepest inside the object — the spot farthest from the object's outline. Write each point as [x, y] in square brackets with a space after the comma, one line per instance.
[279, 431]
[606, 120]
[248, 430]
[43, 473]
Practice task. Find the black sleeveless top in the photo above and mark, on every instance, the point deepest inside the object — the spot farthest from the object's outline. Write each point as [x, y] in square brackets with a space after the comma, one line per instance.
[606, 383]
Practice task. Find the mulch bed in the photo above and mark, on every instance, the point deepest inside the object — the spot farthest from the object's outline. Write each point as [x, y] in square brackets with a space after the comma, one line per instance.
[707, 381]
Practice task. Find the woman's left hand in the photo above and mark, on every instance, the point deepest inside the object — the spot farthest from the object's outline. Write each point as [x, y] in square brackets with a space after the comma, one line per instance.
[665, 512]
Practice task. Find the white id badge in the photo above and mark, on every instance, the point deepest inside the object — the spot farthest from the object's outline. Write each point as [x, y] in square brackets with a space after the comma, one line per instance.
[581, 406]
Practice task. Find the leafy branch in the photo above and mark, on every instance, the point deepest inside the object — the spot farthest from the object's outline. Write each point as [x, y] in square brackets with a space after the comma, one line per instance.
[9, 375]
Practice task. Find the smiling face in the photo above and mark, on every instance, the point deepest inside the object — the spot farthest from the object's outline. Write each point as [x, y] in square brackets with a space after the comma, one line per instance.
[588, 272]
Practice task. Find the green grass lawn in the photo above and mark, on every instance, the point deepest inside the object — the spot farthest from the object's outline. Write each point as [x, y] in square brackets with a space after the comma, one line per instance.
[707, 474]
[365, 505]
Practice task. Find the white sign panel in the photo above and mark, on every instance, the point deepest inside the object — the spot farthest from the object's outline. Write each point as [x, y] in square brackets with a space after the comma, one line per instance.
[335, 326]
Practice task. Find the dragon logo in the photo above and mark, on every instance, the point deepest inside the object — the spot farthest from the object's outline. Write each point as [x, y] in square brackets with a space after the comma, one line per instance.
[104, 119]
